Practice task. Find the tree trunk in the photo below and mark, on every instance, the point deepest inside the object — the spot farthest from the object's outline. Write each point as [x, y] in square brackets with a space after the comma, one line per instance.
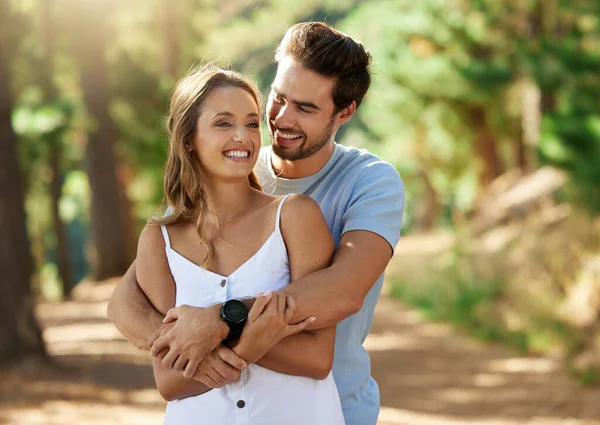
[432, 202]
[112, 238]
[485, 147]
[530, 123]
[62, 243]
[172, 42]
[20, 335]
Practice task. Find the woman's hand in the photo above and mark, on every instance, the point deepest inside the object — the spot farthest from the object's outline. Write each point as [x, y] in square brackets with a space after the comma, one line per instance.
[268, 323]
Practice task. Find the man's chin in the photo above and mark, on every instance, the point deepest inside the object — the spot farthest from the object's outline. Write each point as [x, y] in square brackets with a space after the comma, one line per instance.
[282, 153]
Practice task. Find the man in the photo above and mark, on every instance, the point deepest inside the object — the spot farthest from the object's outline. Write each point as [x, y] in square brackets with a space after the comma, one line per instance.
[322, 76]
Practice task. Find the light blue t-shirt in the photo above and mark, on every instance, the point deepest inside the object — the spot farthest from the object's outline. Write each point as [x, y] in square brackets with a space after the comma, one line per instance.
[356, 191]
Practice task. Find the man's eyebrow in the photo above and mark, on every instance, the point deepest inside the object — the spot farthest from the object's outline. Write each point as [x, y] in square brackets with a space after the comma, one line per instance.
[229, 114]
[297, 102]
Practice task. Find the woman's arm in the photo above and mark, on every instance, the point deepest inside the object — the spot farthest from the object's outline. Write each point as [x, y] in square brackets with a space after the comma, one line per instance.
[310, 248]
[155, 280]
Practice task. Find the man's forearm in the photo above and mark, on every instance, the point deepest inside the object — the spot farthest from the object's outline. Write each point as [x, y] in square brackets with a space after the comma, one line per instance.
[322, 294]
[132, 313]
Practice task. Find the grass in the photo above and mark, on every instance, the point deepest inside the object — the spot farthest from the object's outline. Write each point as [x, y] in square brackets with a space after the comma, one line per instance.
[469, 303]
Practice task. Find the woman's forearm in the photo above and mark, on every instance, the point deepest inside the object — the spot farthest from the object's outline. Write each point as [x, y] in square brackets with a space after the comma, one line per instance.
[308, 353]
[132, 313]
[172, 385]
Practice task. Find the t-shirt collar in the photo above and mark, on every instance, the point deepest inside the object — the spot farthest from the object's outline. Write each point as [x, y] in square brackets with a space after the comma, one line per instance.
[300, 184]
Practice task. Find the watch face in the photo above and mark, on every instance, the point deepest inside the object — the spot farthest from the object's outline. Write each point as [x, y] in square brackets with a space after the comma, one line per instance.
[235, 311]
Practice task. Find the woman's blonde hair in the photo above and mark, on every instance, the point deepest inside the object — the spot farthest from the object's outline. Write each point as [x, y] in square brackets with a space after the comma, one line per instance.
[183, 185]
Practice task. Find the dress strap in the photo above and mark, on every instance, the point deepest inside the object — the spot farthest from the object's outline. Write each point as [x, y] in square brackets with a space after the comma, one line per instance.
[166, 236]
[279, 211]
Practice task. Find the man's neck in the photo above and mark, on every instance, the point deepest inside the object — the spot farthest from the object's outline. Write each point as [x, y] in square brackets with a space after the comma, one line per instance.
[304, 167]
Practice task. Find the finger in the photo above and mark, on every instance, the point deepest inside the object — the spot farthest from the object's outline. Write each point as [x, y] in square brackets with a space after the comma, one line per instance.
[228, 373]
[206, 380]
[258, 307]
[229, 357]
[180, 363]
[290, 308]
[190, 368]
[172, 315]
[159, 344]
[216, 377]
[154, 337]
[161, 355]
[271, 308]
[170, 358]
[281, 304]
[299, 327]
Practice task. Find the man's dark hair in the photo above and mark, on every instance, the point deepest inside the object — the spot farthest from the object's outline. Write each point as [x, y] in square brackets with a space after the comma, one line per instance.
[333, 54]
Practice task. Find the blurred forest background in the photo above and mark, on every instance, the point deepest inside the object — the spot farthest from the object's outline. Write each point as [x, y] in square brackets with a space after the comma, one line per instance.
[489, 109]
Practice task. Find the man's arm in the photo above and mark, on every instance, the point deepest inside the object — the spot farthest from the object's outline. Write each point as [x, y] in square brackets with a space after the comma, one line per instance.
[333, 294]
[371, 228]
[330, 295]
[132, 313]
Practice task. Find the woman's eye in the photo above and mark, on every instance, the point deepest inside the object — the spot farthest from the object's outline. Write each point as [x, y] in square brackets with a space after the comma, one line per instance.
[253, 125]
[223, 124]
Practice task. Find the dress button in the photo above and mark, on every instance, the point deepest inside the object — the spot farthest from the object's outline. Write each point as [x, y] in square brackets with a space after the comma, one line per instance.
[241, 404]
[223, 283]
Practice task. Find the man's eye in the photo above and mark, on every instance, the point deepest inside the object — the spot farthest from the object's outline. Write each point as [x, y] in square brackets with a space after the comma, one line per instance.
[305, 110]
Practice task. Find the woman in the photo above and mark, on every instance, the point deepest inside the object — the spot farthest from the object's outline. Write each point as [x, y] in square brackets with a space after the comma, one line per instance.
[225, 239]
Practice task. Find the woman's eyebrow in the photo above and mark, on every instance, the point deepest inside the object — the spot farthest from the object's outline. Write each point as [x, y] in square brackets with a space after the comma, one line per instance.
[229, 114]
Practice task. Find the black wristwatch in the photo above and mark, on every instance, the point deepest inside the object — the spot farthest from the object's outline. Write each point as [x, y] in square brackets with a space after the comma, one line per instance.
[234, 313]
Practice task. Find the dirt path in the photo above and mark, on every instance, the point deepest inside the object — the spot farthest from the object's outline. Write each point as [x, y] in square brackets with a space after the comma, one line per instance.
[428, 374]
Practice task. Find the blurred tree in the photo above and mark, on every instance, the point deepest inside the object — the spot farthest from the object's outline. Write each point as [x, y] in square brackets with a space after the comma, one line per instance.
[111, 225]
[566, 69]
[20, 334]
[169, 11]
[53, 138]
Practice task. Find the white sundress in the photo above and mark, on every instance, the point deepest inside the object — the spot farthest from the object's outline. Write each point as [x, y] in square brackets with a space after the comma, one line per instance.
[261, 396]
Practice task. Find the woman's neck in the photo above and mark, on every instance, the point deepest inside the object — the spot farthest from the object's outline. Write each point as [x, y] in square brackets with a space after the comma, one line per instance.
[228, 199]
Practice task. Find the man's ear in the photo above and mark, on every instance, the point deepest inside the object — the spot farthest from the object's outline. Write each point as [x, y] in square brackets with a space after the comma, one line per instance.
[346, 113]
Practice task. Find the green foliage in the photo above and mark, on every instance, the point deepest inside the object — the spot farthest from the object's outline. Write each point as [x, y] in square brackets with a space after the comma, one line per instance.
[454, 292]
[440, 68]
[589, 377]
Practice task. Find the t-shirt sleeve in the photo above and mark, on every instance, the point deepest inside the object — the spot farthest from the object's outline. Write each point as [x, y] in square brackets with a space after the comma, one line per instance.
[377, 203]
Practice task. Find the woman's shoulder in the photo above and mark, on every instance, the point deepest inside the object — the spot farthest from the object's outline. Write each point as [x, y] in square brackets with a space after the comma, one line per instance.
[297, 203]
[300, 211]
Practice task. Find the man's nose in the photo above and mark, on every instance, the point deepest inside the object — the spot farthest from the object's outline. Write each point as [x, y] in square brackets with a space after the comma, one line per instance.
[284, 117]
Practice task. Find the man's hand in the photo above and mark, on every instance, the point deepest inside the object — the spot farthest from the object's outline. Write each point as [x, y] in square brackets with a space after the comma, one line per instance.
[163, 330]
[220, 367]
[196, 332]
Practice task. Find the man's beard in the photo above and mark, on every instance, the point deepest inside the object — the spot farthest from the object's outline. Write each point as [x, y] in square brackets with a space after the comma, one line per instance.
[303, 152]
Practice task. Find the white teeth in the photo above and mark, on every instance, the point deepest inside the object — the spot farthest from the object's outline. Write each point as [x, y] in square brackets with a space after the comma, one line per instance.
[287, 136]
[237, 154]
